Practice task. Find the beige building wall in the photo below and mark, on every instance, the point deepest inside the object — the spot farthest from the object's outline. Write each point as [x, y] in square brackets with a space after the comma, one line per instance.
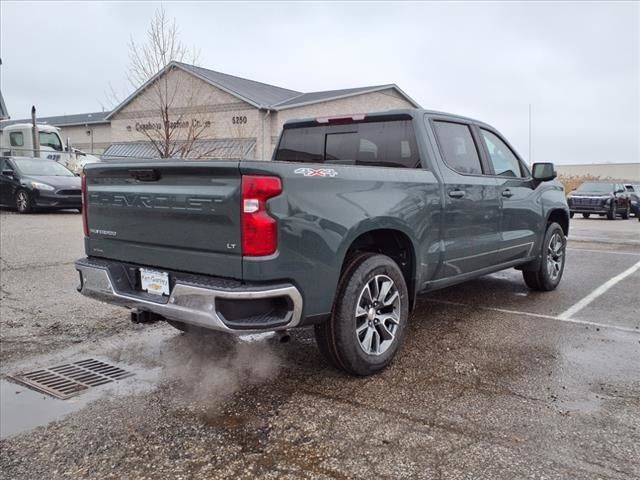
[224, 115]
[228, 117]
[616, 171]
[79, 138]
[365, 103]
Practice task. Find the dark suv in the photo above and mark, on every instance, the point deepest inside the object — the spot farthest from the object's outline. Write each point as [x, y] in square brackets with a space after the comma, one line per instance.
[603, 198]
[634, 196]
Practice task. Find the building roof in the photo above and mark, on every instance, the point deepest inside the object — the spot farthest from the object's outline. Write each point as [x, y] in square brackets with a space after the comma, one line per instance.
[209, 149]
[261, 95]
[64, 120]
[315, 97]
[257, 93]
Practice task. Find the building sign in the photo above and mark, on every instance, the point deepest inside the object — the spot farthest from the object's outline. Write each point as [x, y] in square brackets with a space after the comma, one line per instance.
[194, 123]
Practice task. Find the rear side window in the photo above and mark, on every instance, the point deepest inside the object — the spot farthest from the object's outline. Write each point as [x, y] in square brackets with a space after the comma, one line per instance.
[504, 161]
[383, 144]
[458, 148]
[16, 139]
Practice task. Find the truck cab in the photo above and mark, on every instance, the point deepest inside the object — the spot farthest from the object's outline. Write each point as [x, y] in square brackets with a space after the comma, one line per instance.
[17, 141]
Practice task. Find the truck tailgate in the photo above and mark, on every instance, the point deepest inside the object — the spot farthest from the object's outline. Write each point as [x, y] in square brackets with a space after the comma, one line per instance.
[181, 215]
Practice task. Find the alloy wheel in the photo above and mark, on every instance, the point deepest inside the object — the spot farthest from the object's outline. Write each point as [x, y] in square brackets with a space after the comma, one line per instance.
[22, 201]
[377, 315]
[555, 256]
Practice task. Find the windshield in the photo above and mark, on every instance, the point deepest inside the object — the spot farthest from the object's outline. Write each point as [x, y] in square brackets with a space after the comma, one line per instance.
[595, 187]
[42, 167]
[50, 139]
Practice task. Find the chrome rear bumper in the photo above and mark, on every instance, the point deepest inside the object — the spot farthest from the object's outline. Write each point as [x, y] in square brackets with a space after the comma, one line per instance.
[199, 305]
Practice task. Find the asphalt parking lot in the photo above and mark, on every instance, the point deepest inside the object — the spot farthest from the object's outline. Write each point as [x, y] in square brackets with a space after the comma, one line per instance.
[494, 381]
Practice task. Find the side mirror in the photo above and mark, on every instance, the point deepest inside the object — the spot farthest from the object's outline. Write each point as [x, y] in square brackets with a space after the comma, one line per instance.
[620, 190]
[7, 173]
[543, 172]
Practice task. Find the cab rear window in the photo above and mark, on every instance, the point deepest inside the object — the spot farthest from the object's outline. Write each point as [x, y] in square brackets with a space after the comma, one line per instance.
[389, 143]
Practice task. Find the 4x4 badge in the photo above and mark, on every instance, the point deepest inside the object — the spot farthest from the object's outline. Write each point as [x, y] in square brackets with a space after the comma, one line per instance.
[316, 172]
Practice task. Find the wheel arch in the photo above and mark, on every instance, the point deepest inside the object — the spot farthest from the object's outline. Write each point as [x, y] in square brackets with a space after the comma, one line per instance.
[388, 240]
[561, 217]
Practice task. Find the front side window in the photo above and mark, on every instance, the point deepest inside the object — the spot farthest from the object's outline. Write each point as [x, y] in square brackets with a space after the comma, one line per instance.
[370, 143]
[504, 162]
[50, 139]
[458, 148]
[16, 139]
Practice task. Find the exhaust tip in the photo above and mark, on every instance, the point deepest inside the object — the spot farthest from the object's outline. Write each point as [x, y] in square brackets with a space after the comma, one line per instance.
[284, 337]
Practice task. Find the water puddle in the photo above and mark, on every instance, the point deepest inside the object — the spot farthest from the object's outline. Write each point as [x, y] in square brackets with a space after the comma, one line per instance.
[23, 409]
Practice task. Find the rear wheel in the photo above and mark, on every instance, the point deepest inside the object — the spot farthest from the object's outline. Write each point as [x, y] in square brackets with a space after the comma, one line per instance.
[549, 272]
[586, 215]
[369, 317]
[23, 201]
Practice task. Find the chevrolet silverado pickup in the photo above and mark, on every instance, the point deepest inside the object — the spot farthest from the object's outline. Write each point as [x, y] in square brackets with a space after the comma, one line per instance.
[352, 219]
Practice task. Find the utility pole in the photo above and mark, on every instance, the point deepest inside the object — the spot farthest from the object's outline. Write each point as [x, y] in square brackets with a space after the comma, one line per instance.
[530, 146]
[34, 133]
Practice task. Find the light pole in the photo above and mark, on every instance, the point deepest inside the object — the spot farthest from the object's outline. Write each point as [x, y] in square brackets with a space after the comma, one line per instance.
[530, 145]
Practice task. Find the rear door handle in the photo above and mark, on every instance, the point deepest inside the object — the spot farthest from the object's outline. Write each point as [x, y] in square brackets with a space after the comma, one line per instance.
[457, 193]
[507, 193]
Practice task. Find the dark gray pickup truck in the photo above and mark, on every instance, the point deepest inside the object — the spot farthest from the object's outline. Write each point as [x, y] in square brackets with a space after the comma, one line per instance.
[349, 222]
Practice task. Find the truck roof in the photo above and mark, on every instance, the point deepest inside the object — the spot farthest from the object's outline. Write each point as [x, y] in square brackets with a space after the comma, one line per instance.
[41, 127]
[412, 112]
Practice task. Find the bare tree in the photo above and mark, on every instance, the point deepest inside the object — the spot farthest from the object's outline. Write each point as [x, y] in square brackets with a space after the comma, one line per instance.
[169, 117]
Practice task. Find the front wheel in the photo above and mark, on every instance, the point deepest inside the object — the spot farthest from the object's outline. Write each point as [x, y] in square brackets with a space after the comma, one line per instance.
[369, 317]
[571, 215]
[611, 214]
[549, 272]
[23, 202]
[586, 215]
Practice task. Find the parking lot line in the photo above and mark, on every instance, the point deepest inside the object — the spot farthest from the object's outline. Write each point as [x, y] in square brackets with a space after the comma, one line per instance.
[571, 311]
[539, 315]
[609, 252]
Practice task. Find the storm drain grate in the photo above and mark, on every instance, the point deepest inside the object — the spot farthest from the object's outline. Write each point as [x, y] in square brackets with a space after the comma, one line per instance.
[70, 379]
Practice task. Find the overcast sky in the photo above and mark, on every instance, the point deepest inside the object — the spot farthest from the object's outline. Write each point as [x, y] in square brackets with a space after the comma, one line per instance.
[578, 64]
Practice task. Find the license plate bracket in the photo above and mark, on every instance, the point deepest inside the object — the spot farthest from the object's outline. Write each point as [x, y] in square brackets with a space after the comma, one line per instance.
[154, 281]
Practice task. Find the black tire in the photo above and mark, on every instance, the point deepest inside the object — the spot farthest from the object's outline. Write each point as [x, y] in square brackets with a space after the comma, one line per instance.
[586, 215]
[571, 214]
[23, 201]
[542, 279]
[611, 214]
[626, 213]
[338, 338]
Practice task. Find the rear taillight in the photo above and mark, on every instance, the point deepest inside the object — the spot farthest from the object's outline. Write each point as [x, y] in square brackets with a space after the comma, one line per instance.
[259, 229]
[85, 226]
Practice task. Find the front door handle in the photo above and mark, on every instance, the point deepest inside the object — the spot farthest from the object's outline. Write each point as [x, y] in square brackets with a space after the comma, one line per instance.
[457, 193]
[507, 193]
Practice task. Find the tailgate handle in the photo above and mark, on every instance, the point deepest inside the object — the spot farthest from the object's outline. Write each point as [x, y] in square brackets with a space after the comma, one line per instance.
[146, 175]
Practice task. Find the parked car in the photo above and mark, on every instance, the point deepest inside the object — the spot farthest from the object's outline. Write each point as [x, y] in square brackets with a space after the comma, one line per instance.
[634, 197]
[352, 219]
[603, 198]
[35, 183]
